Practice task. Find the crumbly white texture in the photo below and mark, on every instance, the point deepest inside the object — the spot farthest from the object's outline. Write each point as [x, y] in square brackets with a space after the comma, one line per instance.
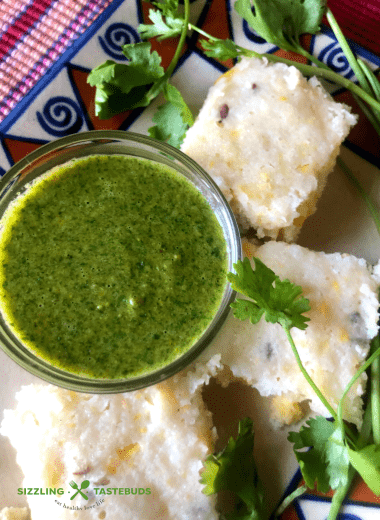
[342, 291]
[14, 513]
[154, 438]
[273, 152]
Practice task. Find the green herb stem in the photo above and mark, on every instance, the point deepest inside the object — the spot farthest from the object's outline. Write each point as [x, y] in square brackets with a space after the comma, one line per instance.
[372, 79]
[375, 400]
[307, 376]
[340, 494]
[303, 52]
[372, 115]
[375, 392]
[348, 52]
[309, 70]
[322, 398]
[366, 429]
[362, 369]
[353, 179]
[200, 31]
[289, 499]
[181, 42]
[363, 440]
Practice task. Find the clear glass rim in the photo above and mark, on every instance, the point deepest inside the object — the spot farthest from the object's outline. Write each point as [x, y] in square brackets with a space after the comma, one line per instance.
[40, 368]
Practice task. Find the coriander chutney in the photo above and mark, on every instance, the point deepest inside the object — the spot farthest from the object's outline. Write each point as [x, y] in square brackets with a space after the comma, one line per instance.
[111, 266]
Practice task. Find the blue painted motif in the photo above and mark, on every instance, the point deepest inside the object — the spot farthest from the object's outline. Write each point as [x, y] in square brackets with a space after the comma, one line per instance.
[334, 57]
[60, 116]
[117, 35]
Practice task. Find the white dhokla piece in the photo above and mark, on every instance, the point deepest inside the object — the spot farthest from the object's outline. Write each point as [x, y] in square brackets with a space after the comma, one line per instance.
[14, 513]
[156, 438]
[342, 291]
[269, 138]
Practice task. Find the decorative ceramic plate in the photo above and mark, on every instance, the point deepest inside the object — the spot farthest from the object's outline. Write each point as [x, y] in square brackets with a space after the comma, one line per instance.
[47, 96]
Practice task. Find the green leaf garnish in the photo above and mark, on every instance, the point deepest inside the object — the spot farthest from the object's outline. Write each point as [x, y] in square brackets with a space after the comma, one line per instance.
[160, 28]
[222, 49]
[234, 469]
[123, 86]
[279, 301]
[326, 463]
[338, 460]
[367, 463]
[282, 22]
[167, 7]
[171, 119]
[313, 462]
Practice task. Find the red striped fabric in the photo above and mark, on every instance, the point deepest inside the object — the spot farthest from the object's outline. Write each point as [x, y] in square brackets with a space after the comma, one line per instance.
[359, 21]
[22, 25]
[33, 35]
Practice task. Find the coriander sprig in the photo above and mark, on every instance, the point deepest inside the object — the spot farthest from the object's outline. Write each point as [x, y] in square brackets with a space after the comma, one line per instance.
[126, 86]
[278, 301]
[337, 450]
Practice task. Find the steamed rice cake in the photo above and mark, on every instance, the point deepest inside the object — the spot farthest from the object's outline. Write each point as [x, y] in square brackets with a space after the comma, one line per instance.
[151, 442]
[14, 513]
[343, 294]
[269, 138]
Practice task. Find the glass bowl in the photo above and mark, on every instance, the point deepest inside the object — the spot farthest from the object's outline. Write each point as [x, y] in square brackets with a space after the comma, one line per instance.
[109, 142]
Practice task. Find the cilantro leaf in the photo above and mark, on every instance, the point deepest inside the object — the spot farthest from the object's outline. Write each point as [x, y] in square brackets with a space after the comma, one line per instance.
[161, 29]
[282, 22]
[172, 119]
[173, 96]
[169, 126]
[279, 301]
[286, 296]
[234, 469]
[121, 86]
[327, 462]
[338, 460]
[167, 7]
[223, 49]
[144, 66]
[313, 463]
[245, 309]
[367, 463]
[143, 69]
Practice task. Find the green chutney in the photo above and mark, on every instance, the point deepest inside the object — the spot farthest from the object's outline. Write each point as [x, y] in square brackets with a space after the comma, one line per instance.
[111, 266]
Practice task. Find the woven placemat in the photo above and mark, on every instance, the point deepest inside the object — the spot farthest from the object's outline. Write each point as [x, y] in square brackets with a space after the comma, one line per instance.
[33, 35]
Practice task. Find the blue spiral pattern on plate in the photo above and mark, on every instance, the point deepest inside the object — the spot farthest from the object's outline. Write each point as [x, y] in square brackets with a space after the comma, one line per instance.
[117, 35]
[60, 116]
[334, 57]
